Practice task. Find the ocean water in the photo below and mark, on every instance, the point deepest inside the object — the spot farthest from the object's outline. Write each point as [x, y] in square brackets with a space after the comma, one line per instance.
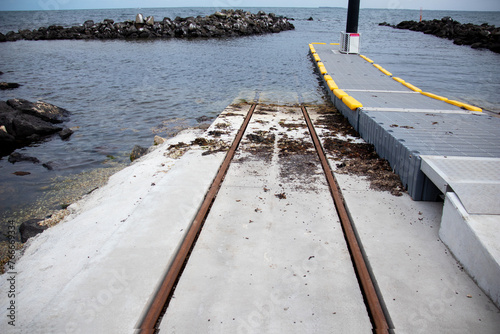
[122, 93]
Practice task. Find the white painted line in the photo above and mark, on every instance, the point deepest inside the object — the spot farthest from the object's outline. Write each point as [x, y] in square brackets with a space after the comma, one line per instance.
[380, 91]
[430, 111]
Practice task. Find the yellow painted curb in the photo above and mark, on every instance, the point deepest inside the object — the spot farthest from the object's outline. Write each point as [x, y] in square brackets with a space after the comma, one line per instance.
[413, 88]
[316, 57]
[383, 70]
[311, 47]
[399, 80]
[472, 108]
[339, 93]
[434, 96]
[322, 68]
[331, 84]
[456, 103]
[328, 77]
[464, 105]
[367, 59]
[386, 72]
[351, 102]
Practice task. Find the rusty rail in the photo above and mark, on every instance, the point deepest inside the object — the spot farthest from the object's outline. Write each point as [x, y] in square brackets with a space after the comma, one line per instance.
[149, 321]
[374, 305]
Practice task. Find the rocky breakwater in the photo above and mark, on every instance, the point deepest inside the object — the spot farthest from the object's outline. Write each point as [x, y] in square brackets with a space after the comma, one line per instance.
[477, 36]
[23, 122]
[226, 23]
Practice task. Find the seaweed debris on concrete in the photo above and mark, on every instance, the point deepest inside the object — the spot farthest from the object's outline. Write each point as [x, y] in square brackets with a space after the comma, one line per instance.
[354, 156]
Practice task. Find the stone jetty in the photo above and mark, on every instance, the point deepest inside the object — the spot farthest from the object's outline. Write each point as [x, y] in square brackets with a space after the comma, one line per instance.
[226, 23]
[477, 36]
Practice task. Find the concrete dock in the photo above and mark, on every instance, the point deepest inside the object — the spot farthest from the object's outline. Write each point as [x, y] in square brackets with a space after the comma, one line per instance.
[272, 256]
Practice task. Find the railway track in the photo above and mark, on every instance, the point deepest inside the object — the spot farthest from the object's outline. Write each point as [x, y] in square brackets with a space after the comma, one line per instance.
[271, 139]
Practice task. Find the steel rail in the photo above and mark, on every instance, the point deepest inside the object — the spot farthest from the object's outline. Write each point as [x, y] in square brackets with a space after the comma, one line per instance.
[374, 305]
[150, 319]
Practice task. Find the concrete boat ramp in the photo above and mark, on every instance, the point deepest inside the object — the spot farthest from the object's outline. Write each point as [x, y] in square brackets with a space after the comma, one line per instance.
[271, 257]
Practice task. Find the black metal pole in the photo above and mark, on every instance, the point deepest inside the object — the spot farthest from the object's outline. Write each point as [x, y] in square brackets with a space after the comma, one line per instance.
[352, 16]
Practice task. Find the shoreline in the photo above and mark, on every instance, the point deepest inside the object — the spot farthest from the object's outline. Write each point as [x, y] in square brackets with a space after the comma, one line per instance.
[59, 191]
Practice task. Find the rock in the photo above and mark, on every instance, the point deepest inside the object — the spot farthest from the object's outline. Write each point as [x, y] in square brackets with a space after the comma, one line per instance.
[150, 21]
[65, 133]
[8, 85]
[385, 24]
[31, 228]
[21, 173]
[28, 125]
[145, 34]
[159, 140]
[5, 110]
[49, 165]
[310, 19]
[495, 47]
[22, 125]
[19, 157]
[7, 141]
[131, 30]
[13, 36]
[88, 24]
[137, 152]
[221, 15]
[23, 122]
[139, 19]
[202, 119]
[485, 33]
[45, 111]
[27, 34]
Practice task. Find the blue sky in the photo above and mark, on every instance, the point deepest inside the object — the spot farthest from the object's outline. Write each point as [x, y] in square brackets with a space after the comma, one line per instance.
[480, 5]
